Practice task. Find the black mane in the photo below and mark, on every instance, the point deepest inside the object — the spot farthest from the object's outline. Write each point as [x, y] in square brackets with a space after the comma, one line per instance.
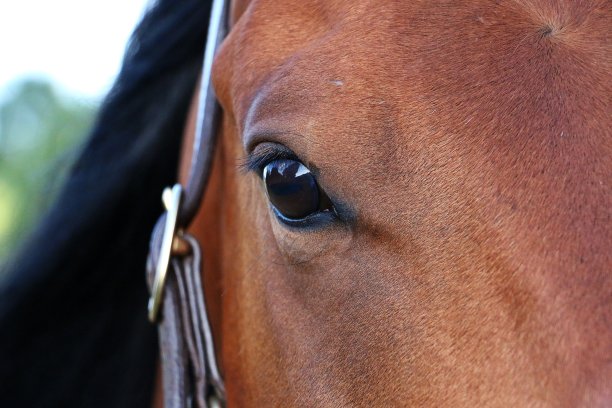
[73, 326]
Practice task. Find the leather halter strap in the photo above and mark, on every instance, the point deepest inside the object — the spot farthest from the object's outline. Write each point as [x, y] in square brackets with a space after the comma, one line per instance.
[190, 375]
[207, 118]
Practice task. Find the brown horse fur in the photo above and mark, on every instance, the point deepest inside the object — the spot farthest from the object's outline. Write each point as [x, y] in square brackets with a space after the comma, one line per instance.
[471, 142]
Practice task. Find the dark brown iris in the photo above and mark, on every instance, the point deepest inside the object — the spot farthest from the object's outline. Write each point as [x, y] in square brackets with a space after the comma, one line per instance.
[292, 189]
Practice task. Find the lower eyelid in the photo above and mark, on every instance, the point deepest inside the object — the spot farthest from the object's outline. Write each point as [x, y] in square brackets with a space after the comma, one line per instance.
[314, 221]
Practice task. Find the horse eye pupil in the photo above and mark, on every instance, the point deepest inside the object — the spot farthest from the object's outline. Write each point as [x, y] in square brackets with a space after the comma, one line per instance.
[292, 189]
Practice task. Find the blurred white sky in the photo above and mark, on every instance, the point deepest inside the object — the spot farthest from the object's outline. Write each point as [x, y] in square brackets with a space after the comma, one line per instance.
[79, 44]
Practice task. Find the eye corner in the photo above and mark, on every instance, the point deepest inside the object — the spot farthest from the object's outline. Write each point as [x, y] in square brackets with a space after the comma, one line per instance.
[343, 212]
[251, 164]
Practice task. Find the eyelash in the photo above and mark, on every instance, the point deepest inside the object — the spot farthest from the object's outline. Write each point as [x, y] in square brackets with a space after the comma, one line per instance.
[260, 158]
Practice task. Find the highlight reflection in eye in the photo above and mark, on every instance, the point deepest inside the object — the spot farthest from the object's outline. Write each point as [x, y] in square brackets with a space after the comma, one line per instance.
[292, 189]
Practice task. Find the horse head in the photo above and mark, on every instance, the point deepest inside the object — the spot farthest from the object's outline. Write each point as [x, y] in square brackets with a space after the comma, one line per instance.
[410, 204]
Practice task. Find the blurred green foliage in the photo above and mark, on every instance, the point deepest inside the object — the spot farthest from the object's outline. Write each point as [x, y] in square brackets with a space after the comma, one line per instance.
[41, 130]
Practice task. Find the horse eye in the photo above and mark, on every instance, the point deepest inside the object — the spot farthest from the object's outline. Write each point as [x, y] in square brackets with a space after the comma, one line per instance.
[292, 189]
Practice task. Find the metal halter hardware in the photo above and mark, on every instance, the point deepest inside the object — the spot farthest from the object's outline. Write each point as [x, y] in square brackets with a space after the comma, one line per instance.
[189, 368]
[171, 199]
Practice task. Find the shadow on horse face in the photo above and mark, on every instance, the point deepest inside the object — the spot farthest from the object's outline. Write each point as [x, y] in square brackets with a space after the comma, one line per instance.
[468, 157]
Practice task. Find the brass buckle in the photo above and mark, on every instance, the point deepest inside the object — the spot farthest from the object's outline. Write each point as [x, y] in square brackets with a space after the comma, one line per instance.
[171, 199]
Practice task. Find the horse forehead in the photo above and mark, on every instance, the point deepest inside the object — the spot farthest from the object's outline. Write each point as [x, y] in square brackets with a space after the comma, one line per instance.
[313, 55]
[482, 71]
[475, 98]
[261, 44]
[455, 56]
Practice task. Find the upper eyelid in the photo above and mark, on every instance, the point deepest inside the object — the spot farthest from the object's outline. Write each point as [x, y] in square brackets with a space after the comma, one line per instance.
[257, 137]
[259, 157]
